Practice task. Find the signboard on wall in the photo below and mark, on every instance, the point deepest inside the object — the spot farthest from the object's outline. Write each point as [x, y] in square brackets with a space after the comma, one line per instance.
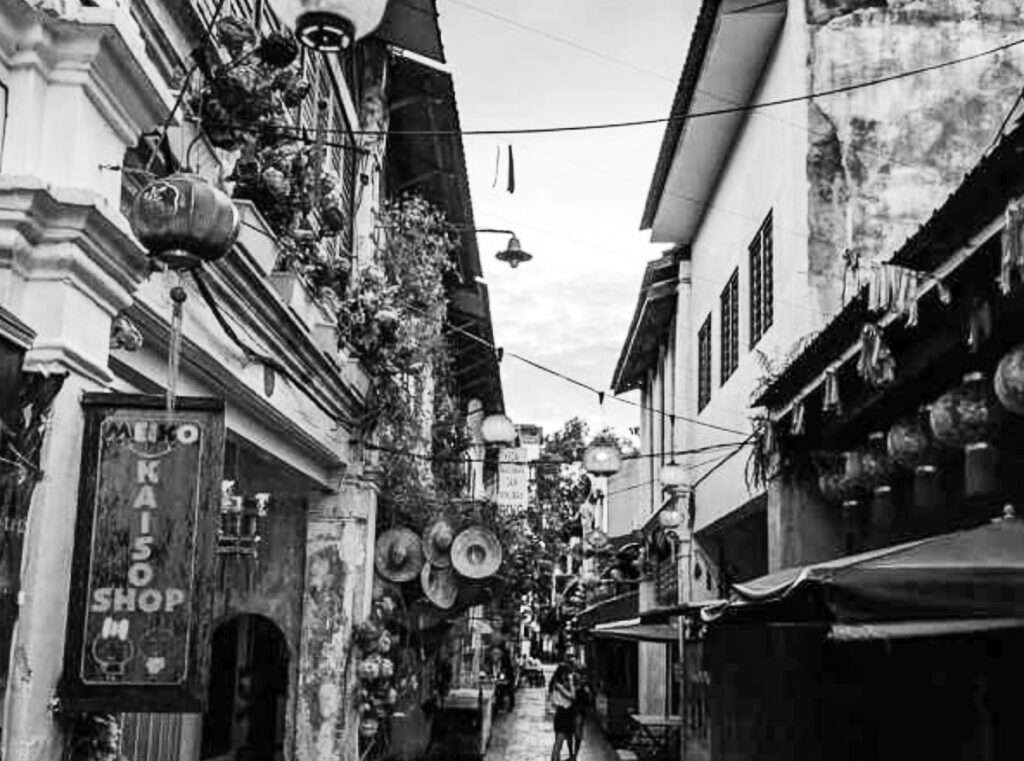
[139, 614]
[513, 479]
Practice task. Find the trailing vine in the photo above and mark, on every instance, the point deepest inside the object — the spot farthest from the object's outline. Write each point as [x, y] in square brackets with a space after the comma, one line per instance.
[392, 317]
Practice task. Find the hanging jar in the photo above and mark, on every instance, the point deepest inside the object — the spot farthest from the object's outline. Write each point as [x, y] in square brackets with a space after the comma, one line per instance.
[879, 471]
[968, 417]
[911, 446]
[853, 490]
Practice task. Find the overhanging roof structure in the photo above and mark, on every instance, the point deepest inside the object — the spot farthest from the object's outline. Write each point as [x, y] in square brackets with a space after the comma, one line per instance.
[412, 25]
[728, 53]
[651, 321]
[425, 156]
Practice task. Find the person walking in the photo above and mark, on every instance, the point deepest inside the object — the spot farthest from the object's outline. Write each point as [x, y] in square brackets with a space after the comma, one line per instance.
[582, 703]
[562, 697]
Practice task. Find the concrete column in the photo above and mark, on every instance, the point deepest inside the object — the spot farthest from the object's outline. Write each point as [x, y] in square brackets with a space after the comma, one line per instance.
[802, 528]
[339, 532]
[66, 268]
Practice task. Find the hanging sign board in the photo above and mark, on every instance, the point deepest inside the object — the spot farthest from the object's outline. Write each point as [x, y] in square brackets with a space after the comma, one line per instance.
[139, 614]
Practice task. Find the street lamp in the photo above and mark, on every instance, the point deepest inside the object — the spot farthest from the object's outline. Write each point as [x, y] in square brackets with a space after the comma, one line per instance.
[513, 253]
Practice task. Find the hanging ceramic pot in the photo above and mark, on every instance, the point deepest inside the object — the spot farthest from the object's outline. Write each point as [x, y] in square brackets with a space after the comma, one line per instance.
[911, 446]
[969, 417]
[1009, 380]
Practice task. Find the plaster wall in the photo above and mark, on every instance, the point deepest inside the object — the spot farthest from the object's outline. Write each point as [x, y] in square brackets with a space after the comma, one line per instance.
[765, 172]
[884, 157]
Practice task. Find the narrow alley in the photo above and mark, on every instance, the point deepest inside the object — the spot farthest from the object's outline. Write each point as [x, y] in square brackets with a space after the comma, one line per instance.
[526, 733]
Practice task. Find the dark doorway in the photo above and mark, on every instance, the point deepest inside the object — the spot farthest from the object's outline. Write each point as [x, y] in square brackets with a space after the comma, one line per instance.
[248, 694]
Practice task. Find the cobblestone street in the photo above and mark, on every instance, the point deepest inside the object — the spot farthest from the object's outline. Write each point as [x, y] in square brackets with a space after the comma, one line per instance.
[526, 733]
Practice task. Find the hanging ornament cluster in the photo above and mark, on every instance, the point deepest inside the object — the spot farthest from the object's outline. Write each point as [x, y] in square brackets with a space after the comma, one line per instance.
[380, 687]
[876, 364]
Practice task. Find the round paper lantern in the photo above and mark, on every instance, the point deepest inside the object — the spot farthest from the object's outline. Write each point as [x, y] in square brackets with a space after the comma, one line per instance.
[333, 25]
[670, 517]
[673, 475]
[368, 726]
[878, 466]
[602, 459]
[1009, 380]
[853, 483]
[969, 417]
[184, 221]
[498, 429]
[911, 447]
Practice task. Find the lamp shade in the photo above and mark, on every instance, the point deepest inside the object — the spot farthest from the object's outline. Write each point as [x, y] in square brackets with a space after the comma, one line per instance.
[333, 25]
[514, 254]
[498, 429]
[602, 459]
[673, 475]
[183, 221]
[670, 517]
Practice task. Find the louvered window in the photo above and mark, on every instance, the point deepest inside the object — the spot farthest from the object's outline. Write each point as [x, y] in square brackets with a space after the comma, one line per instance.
[730, 306]
[704, 364]
[761, 281]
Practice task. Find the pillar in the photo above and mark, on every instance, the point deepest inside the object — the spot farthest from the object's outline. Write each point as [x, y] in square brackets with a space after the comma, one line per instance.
[802, 528]
[339, 559]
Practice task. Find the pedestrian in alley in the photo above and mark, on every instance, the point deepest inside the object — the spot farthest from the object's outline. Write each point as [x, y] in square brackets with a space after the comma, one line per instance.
[582, 703]
[562, 697]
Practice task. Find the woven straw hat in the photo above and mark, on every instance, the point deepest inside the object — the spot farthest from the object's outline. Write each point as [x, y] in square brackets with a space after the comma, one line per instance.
[439, 585]
[437, 543]
[399, 555]
[476, 553]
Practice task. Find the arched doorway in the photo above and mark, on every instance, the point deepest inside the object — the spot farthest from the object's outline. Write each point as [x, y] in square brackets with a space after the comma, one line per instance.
[248, 693]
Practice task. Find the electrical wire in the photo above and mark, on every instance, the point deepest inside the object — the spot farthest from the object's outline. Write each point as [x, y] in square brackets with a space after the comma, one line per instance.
[683, 118]
[465, 460]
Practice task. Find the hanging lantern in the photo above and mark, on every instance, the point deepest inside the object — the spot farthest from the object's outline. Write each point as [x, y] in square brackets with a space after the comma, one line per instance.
[1009, 380]
[333, 25]
[602, 458]
[911, 446]
[969, 417]
[670, 517]
[673, 475]
[498, 429]
[184, 221]
[830, 474]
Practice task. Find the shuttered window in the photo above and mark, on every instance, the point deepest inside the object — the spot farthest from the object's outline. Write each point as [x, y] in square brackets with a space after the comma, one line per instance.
[704, 364]
[730, 310]
[761, 281]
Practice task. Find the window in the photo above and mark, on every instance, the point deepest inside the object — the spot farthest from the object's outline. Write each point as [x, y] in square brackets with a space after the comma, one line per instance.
[704, 364]
[730, 304]
[761, 287]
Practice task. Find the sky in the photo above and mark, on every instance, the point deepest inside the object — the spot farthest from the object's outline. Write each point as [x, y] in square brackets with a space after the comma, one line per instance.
[579, 196]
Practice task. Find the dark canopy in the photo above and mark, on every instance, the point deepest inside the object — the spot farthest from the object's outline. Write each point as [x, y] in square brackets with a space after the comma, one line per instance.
[975, 575]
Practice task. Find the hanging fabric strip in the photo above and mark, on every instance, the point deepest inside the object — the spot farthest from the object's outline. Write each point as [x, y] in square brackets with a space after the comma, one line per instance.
[798, 426]
[876, 364]
[1013, 248]
[831, 401]
[497, 165]
[178, 296]
[511, 172]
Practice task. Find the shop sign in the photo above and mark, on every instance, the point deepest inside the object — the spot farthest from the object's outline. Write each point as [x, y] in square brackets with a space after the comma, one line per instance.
[138, 625]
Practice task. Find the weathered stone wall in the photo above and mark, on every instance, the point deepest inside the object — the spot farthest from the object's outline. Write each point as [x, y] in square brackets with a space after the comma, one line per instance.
[882, 158]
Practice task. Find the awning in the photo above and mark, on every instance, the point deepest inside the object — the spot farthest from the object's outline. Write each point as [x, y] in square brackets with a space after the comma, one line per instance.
[971, 576]
[412, 25]
[914, 629]
[638, 632]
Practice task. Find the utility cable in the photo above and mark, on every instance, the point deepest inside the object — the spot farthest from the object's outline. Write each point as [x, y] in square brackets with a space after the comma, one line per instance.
[682, 118]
